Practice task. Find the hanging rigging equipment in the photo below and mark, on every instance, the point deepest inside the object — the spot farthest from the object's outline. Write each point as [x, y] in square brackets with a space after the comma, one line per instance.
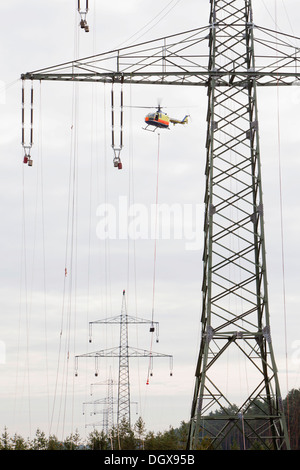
[27, 147]
[83, 13]
[117, 147]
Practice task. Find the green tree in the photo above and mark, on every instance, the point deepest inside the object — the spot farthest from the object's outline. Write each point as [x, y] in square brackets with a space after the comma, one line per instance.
[98, 441]
[39, 441]
[150, 441]
[183, 434]
[125, 436]
[72, 442]
[54, 443]
[256, 445]
[292, 412]
[140, 430]
[167, 440]
[205, 444]
[170, 439]
[234, 445]
[5, 440]
[18, 443]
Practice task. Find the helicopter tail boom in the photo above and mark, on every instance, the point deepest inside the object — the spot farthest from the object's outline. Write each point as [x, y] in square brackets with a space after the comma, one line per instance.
[178, 121]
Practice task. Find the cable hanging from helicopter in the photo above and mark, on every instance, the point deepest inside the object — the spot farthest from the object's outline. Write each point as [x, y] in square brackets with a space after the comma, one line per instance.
[117, 148]
[83, 12]
[27, 147]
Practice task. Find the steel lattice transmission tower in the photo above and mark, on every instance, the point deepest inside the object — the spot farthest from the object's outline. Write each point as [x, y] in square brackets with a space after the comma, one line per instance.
[108, 405]
[235, 310]
[124, 352]
[232, 58]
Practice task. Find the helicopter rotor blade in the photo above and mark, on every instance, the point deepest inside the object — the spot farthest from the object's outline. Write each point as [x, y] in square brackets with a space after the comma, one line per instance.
[140, 107]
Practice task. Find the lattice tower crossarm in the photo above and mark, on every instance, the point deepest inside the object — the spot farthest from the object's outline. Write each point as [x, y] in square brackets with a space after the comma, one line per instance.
[181, 60]
[235, 310]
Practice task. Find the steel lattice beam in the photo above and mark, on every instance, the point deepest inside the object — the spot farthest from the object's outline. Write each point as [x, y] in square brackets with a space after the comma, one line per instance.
[182, 59]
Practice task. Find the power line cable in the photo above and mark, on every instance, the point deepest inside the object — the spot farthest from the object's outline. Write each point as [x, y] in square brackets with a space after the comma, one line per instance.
[282, 235]
[153, 19]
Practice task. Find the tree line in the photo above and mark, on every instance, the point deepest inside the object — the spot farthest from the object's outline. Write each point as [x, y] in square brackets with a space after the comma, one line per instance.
[125, 437]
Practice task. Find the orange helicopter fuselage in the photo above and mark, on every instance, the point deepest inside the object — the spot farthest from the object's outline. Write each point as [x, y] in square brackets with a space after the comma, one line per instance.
[157, 119]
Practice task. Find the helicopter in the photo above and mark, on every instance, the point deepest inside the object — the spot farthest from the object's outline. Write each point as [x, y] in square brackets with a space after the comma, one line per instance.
[159, 119]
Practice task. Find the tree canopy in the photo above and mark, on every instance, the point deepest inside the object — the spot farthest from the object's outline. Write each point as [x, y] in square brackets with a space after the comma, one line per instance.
[125, 437]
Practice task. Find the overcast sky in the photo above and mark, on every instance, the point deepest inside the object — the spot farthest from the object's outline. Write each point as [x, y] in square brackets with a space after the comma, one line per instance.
[41, 308]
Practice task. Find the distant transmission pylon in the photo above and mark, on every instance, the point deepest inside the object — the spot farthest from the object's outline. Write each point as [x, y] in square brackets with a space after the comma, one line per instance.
[108, 403]
[123, 352]
[235, 319]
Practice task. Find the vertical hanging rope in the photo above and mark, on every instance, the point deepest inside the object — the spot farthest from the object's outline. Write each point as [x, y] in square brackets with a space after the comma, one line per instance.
[106, 186]
[65, 327]
[31, 115]
[282, 232]
[112, 117]
[70, 253]
[156, 217]
[121, 117]
[154, 261]
[23, 279]
[40, 154]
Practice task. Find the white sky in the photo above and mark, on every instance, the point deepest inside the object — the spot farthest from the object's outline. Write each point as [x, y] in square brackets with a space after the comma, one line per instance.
[34, 204]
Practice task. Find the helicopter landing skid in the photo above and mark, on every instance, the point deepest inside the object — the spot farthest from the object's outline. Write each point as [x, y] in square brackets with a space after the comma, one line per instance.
[149, 130]
[152, 130]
